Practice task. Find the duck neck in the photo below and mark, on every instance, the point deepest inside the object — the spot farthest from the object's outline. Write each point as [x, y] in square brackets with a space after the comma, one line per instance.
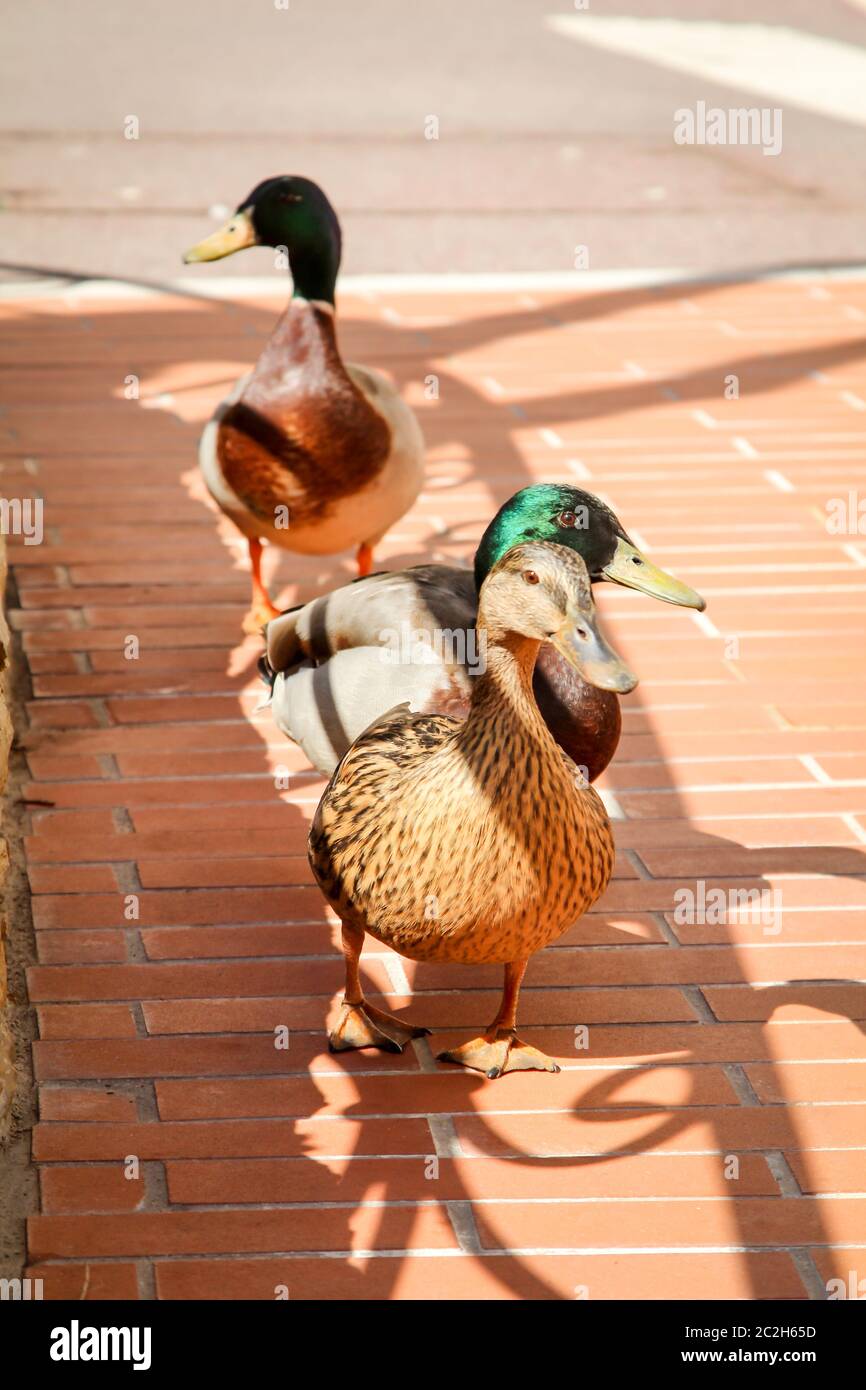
[306, 337]
[314, 266]
[503, 690]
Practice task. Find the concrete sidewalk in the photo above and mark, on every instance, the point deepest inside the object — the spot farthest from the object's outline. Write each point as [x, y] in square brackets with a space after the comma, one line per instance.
[549, 138]
[710, 1141]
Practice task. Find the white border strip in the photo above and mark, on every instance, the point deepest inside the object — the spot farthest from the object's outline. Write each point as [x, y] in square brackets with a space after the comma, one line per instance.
[231, 286]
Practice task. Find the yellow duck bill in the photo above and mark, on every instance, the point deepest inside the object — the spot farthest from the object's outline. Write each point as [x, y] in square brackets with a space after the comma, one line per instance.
[629, 567]
[237, 234]
[581, 644]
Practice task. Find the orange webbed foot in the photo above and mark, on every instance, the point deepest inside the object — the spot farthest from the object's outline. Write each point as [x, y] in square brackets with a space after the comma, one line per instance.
[259, 616]
[498, 1052]
[360, 1025]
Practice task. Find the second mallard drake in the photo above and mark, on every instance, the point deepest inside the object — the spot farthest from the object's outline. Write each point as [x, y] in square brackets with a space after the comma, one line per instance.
[338, 662]
[476, 841]
[308, 452]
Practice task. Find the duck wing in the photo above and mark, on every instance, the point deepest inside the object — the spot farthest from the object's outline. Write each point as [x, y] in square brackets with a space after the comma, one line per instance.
[325, 708]
[373, 612]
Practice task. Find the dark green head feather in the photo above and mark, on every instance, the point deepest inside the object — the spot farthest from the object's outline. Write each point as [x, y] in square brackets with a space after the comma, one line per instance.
[552, 512]
[292, 211]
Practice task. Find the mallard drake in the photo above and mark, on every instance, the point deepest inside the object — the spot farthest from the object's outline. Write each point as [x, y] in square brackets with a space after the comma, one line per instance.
[473, 840]
[338, 662]
[311, 453]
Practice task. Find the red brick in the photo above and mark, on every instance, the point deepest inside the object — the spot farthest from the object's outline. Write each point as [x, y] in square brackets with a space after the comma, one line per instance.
[56, 825]
[112, 1056]
[250, 1231]
[169, 792]
[229, 873]
[51, 767]
[99, 1143]
[634, 776]
[80, 947]
[830, 1170]
[61, 714]
[162, 741]
[155, 847]
[449, 1092]
[93, 1187]
[460, 1009]
[725, 1129]
[186, 709]
[658, 965]
[529, 1277]
[847, 1265]
[797, 928]
[203, 943]
[717, 861]
[735, 1222]
[206, 763]
[65, 878]
[737, 801]
[808, 999]
[182, 908]
[91, 1281]
[797, 1083]
[292, 821]
[55, 984]
[756, 831]
[239, 1181]
[85, 1103]
[158, 643]
[85, 1021]
[256, 1015]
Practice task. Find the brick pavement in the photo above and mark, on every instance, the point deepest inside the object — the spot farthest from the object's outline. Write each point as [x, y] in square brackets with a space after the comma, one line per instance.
[710, 1141]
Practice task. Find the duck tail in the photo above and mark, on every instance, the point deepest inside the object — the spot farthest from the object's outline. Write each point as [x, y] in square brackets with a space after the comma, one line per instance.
[266, 671]
[268, 675]
[283, 649]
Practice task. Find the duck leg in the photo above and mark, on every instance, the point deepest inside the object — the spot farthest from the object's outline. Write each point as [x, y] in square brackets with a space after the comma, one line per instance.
[262, 609]
[359, 1024]
[365, 560]
[500, 1050]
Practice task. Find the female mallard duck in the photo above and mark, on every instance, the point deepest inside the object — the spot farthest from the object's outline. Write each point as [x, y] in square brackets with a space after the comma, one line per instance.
[474, 840]
[308, 452]
[337, 663]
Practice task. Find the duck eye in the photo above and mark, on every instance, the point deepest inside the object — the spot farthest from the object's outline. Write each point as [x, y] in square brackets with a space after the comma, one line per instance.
[530, 577]
[566, 519]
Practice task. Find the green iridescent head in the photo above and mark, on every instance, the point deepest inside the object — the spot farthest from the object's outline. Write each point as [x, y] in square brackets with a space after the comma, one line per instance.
[290, 212]
[574, 518]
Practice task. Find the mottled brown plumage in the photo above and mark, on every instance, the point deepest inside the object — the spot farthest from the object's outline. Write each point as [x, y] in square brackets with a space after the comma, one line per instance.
[477, 841]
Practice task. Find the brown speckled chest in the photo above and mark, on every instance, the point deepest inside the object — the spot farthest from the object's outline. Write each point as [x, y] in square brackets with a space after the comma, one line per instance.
[431, 841]
[302, 434]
